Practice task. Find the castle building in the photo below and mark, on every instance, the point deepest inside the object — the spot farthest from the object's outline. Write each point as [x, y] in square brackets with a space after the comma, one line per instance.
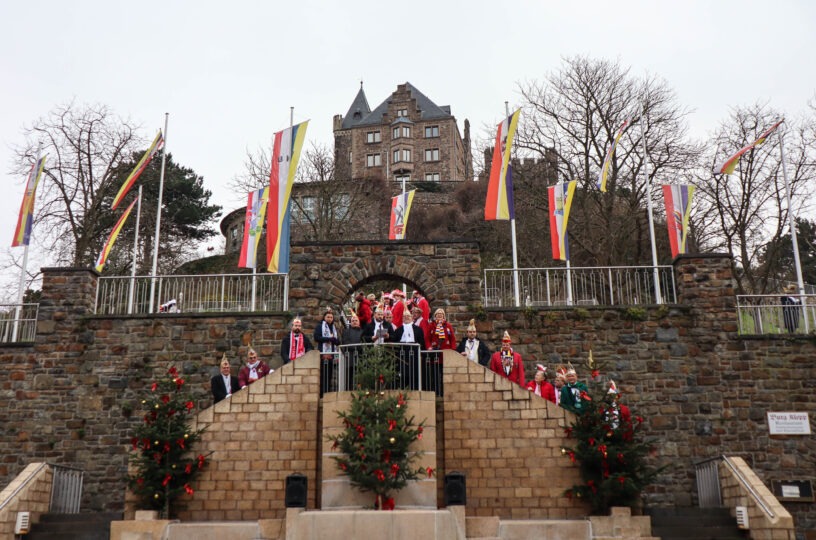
[406, 137]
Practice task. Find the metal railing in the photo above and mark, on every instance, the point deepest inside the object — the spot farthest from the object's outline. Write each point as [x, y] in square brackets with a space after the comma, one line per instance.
[124, 295]
[585, 286]
[66, 490]
[709, 492]
[708, 483]
[776, 314]
[413, 369]
[18, 322]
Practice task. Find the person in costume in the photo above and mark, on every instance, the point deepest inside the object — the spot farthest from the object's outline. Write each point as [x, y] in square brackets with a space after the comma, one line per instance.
[540, 386]
[419, 301]
[559, 382]
[327, 339]
[473, 348]
[574, 395]
[408, 363]
[442, 336]
[399, 306]
[507, 363]
[224, 384]
[421, 321]
[295, 344]
[364, 311]
[253, 370]
[386, 302]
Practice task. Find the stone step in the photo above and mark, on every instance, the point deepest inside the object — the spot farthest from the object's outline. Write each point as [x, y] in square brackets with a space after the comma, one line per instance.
[214, 530]
[550, 529]
[73, 526]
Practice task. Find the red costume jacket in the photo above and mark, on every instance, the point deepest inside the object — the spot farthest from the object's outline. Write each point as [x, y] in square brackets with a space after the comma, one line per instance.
[444, 339]
[243, 374]
[364, 311]
[547, 390]
[516, 372]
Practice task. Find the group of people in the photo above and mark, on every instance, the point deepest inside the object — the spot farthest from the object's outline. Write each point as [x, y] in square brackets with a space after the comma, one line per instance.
[373, 322]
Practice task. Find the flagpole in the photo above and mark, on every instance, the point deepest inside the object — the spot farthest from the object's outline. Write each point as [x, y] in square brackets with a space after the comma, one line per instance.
[516, 294]
[21, 287]
[792, 223]
[158, 218]
[648, 184]
[135, 251]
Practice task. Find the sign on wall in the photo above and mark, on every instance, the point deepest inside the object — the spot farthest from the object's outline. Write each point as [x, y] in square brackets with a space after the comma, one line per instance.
[788, 423]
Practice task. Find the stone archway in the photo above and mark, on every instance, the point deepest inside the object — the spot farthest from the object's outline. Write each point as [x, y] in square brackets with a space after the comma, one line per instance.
[327, 273]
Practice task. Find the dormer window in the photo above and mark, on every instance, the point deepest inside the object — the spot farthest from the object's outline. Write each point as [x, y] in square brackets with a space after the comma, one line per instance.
[402, 113]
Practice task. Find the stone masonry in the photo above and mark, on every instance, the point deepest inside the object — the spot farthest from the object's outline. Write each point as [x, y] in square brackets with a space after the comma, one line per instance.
[69, 397]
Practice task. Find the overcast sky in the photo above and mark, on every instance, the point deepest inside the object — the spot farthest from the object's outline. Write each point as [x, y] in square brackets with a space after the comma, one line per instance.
[227, 72]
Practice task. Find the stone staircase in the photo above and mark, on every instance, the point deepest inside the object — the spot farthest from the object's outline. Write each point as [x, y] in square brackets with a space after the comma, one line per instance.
[694, 523]
[73, 526]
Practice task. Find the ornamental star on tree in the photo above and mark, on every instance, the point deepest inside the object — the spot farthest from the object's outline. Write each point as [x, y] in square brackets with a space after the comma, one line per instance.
[610, 451]
[377, 433]
[162, 445]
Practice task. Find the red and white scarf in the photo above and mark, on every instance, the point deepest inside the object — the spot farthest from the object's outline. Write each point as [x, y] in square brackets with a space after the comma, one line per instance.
[297, 346]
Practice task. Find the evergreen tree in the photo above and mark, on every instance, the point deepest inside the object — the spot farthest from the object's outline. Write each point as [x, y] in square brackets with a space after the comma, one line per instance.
[162, 445]
[377, 433]
[610, 450]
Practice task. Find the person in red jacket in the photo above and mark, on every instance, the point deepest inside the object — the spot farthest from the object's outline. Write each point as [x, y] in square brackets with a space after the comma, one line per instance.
[399, 306]
[442, 337]
[419, 301]
[254, 369]
[364, 312]
[540, 386]
[507, 362]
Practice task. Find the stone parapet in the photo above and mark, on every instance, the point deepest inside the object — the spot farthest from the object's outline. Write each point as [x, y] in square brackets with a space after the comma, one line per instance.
[29, 492]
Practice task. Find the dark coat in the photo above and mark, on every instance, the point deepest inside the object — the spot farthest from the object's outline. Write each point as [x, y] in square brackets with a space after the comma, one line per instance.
[219, 391]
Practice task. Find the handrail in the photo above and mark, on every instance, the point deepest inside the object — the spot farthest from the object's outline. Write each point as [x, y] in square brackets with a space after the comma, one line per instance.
[25, 483]
[750, 490]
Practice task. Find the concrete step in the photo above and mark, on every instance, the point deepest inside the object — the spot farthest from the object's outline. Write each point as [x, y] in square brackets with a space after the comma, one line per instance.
[699, 523]
[73, 526]
[550, 529]
[214, 530]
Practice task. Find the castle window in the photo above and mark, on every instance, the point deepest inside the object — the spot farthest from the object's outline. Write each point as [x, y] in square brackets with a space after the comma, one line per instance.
[349, 156]
[373, 160]
[431, 131]
[373, 137]
[406, 131]
[432, 177]
[402, 155]
[400, 179]
[340, 210]
[395, 133]
[402, 112]
[432, 154]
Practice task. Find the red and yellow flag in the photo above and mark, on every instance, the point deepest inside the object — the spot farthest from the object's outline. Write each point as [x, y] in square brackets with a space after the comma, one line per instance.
[728, 166]
[22, 234]
[157, 145]
[103, 257]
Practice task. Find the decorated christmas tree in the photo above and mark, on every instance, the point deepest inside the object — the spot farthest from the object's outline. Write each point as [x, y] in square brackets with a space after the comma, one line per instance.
[163, 454]
[377, 433]
[610, 450]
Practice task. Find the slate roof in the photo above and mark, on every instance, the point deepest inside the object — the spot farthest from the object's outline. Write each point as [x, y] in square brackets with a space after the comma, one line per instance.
[428, 109]
[359, 106]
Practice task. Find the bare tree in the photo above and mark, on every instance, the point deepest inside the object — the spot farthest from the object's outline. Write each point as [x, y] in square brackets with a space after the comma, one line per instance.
[746, 213]
[84, 146]
[324, 206]
[576, 113]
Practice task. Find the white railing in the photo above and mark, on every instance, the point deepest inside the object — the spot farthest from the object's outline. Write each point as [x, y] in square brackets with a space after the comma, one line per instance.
[123, 295]
[18, 323]
[585, 286]
[776, 313]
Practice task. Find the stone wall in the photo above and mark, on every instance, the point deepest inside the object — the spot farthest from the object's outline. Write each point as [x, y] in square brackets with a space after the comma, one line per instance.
[324, 274]
[508, 443]
[702, 389]
[257, 438]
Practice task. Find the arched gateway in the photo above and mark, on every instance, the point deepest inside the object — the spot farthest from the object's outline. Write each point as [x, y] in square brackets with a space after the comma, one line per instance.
[323, 273]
